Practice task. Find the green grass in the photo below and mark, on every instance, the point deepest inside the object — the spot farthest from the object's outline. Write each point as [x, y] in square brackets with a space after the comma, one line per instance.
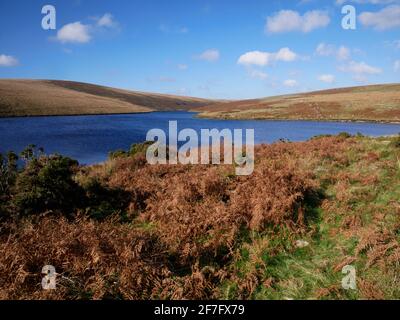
[287, 272]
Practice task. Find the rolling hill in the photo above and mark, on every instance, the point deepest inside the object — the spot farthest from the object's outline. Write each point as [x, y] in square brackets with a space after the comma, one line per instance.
[366, 103]
[51, 97]
[55, 97]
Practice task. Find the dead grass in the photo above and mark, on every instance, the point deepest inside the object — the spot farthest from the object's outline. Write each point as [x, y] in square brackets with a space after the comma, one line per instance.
[38, 98]
[199, 232]
[369, 103]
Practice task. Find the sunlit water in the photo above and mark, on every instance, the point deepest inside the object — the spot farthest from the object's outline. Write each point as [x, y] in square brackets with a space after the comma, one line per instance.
[89, 139]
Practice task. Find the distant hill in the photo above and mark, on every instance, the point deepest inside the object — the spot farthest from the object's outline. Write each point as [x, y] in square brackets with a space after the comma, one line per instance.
[366, 103]
[50, 97]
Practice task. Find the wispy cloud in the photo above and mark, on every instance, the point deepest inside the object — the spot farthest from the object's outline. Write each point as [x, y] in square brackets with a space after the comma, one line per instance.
[387, 18]
[327, 50]
[8, 61]
[78, 32]
[210, 55]
[289, 20]
[327, 78]
[396, 66]
[182, 66]
[164, 28]
[257, 74]
[290, 83]
[360, 70]
[107, 20]
[166, 79]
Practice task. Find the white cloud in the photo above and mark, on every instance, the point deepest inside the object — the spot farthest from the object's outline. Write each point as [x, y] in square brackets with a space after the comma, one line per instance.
[327, 78]
[397, 66]
[384, 19]
[360, 68]
[256, 74]
[285, 54]
[260, 58]
[327, 50]
[289, 20]
[324, 49]
[107, 20]
[290, 83]
[7, 61]
[209, 55]
[75, 32]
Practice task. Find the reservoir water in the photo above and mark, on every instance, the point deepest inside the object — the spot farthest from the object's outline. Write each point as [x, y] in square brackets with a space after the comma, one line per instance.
[89, 139]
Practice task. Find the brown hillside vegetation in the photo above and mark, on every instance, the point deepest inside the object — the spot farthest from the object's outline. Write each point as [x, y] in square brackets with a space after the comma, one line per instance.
[367, 103]
[200, 232]
[50, 97]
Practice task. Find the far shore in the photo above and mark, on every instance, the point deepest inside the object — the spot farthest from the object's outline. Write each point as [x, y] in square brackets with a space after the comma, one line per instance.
[200, 115]
[205, 116]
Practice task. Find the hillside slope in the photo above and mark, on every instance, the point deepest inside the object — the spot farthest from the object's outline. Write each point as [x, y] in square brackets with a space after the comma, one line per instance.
[367, 103]
[51, 97]
[126, 229]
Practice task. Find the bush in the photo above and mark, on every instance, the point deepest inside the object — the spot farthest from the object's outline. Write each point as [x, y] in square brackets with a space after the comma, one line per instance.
[8, 174]
[117, 154]
[135, 149]
[46, 184]
[345, 135]
[102, 201]
[395, 143]
[139, 148]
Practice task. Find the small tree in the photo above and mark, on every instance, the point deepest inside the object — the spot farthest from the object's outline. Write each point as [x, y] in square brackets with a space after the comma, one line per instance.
[8, 172]
[46, 184]
[8, 175]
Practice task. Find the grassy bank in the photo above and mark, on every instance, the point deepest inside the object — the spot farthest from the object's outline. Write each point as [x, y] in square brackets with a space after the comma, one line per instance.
[378, 103]
[21, 98]
[135, 231]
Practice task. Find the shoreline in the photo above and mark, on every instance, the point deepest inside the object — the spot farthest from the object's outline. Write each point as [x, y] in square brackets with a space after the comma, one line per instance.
[302, 119]
[72, 115]
[198, 115]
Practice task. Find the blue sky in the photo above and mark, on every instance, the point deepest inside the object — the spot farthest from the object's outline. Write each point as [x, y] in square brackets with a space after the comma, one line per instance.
[208, 48]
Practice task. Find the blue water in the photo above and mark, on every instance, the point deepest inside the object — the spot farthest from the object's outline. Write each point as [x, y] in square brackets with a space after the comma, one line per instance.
[90, 138]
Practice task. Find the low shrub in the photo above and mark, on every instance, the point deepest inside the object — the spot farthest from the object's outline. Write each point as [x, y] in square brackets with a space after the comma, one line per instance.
[47, 184]
[395, 143]
[102, 201]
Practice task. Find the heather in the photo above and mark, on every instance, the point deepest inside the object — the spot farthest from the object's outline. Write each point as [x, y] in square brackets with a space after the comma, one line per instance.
[129, 230]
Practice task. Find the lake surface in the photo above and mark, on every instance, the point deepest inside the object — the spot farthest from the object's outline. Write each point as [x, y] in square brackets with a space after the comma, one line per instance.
[90, 138]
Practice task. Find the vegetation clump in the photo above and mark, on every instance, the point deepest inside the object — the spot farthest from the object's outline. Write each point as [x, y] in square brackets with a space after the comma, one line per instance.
[129, 230]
